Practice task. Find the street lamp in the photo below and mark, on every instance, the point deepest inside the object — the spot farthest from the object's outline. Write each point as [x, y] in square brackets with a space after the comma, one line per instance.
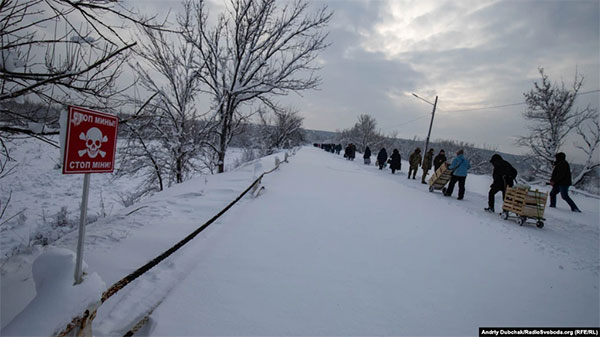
[431, 123]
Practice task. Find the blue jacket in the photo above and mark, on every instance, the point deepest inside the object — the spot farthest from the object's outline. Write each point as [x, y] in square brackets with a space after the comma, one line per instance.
[460, 165]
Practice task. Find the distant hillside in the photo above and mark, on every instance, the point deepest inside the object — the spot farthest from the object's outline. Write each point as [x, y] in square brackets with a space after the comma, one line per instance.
[319, 136]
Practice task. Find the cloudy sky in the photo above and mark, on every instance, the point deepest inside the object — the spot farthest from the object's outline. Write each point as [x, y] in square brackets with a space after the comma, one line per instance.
[472, 54]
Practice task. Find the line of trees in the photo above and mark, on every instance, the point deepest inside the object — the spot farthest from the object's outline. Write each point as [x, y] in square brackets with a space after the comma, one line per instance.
[255, 51]
[365, 133]
[552, 117]
[58, 52]
[204, 78]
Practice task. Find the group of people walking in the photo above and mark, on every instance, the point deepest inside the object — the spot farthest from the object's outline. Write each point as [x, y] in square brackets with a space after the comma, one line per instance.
[414, 161]
[395, 160]
[333, 148]
[503, 175]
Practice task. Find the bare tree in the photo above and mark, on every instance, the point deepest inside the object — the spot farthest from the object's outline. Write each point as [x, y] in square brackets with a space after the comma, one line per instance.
[59, 52]
[364, 133]
[479, 157]
[7, 165]
[590, 134]
[255, 50]
[551, 118]
[168, 134]
[144, 154]
[282, 129]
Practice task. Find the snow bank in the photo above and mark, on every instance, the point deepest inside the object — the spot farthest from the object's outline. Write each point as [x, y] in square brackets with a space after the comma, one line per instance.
[126, 239]
[57, 300]
[46, 201]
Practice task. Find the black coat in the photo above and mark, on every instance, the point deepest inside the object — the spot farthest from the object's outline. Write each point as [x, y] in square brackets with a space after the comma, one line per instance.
[395, 161]
[352, 152]
[504, 173]
[438, 161]
[367, 153]
[561, 175]
[382, 156]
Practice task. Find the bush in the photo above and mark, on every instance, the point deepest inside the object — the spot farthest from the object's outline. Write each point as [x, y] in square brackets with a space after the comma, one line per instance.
[248, 154]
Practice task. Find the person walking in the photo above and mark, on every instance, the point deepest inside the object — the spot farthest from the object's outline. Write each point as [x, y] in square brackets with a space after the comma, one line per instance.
[560, 181]
[382, 158]
[427, 161]
[414, 161]
[367, 156]
[459, 166]
[503, 175]
[439, 160]
[395, 161]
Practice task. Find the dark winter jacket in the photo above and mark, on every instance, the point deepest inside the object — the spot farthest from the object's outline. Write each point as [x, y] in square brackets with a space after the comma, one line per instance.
[504, 173]
[438, 161]
[367, 154]
[350, 151]
[427, 160]
[561, 175]
[382, 156]
[415, 159]
[396, 162]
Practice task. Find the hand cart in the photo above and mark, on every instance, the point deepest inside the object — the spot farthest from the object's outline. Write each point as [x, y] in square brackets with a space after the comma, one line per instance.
[440, 178]
[526, 204]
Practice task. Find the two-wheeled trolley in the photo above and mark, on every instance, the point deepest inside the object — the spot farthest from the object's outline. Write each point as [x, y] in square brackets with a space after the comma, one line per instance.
[525, 204]
[440, 178]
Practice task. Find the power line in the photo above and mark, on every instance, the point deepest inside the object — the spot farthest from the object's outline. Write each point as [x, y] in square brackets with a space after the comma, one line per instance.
[402, 124]
[511, 104]
[475, 109]
[486, 108]
[589, 92]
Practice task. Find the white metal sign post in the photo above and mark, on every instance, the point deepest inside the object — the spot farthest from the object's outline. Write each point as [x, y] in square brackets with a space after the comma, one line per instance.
[82, 224]
[89, 147]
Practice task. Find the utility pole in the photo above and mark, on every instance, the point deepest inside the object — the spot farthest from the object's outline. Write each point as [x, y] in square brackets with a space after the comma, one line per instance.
[430, 125]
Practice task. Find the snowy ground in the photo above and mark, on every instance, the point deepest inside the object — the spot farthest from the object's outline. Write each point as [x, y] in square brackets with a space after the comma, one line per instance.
[334, 247]
[39, 193]
[44, 197]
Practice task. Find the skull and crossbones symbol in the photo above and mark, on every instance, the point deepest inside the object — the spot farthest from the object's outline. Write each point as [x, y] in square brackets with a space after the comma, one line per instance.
[93, 141]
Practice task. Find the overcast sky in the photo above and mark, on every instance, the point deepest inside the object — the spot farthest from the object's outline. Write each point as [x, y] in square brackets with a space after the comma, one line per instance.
[471, 53]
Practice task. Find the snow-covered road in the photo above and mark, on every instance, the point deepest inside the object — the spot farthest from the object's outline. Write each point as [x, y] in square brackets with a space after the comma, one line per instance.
[333, 247]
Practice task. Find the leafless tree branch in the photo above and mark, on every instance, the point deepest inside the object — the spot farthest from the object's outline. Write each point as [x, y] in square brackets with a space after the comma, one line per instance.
[552, 117]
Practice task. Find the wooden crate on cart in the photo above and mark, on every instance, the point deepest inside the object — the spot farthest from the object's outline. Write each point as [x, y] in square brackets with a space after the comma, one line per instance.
[439, 178]
[525, 203]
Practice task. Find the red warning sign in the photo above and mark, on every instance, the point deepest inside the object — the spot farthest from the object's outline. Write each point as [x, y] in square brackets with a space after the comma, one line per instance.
[91, 141]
